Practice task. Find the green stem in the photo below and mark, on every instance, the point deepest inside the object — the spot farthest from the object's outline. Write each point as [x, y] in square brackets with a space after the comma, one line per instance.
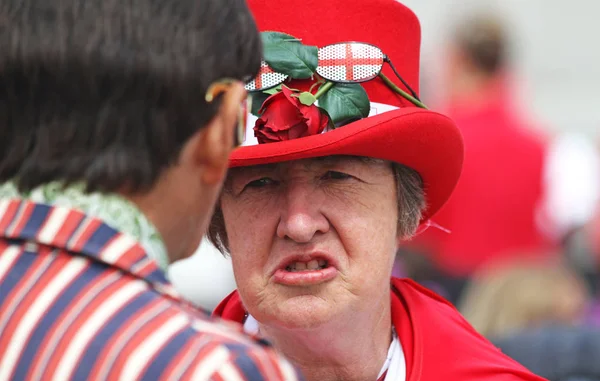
[316, 84]
[323, 89]
[406, 95]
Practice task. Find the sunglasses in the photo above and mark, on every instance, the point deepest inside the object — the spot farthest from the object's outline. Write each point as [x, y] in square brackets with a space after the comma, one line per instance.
[344, 62]
[219, 87]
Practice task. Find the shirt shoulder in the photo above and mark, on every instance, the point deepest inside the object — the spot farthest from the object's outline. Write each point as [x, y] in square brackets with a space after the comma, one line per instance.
[177, 341]
[87, 319]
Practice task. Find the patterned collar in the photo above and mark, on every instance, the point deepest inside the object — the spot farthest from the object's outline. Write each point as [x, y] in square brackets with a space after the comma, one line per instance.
[81, 234]
[114, 210]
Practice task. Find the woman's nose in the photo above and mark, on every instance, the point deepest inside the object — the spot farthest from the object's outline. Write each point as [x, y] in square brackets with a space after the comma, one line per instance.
[301, 215]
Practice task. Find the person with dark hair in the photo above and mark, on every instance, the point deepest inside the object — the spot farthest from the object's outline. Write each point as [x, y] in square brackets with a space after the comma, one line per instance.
[116, 124]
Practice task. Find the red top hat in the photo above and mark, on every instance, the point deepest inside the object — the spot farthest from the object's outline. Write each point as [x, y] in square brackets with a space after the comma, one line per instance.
[395, 129]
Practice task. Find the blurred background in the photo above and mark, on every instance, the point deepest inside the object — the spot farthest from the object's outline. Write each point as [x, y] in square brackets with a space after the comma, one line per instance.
[522, 262]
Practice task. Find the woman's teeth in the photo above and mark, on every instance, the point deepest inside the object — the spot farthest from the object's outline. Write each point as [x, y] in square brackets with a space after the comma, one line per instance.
[307, 266]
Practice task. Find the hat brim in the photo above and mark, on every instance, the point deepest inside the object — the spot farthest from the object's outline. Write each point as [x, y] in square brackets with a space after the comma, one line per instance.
[426, 141]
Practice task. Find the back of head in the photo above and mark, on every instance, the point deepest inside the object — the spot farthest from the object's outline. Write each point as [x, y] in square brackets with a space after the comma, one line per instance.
[107, 92]
[483, 43]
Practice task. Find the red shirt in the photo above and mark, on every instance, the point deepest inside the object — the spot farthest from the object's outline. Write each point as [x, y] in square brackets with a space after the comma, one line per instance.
[437, 341]
[492, 214]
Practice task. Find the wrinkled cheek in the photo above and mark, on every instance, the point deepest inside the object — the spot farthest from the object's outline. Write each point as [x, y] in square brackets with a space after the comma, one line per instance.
[250, 249]
[371, 252]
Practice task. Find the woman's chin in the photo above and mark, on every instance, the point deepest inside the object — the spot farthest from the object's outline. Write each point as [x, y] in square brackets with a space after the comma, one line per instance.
[300, 312]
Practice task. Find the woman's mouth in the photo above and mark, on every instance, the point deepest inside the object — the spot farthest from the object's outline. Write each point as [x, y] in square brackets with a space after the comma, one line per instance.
[314, 264]
[305, 273]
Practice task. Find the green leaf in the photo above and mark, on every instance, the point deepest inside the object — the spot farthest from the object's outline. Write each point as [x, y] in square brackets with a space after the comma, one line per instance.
[257, 101]
[307, 98]
[330, 124]
[287, 55]
[346, 102]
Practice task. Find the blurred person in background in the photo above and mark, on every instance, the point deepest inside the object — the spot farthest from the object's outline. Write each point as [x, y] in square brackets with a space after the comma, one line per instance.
[492, 214]
[117, 120]
[512, 298]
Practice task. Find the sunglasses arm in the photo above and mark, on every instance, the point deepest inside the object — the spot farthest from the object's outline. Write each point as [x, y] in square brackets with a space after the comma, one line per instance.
[403, 93]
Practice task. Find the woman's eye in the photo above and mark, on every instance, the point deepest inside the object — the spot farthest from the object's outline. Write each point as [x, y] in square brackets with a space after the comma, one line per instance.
[259, 183]
[335, 175]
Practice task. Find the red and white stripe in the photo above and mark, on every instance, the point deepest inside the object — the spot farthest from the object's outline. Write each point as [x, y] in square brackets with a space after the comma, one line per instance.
[53, 224]
[115, 346]
[140, 357]
[137, 339]
[186, 356]
[117, 248]
[210, 363]
[89, 329]
[83, 233]
[44, 299]
[8, 256]
[20, 220]
[20, 291]
[50, 344]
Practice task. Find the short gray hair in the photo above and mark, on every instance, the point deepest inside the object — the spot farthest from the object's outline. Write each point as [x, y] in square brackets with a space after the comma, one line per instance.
[411, 203]
[411, 199]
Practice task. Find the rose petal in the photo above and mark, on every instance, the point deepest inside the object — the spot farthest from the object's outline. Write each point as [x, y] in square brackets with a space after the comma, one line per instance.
[289, 95]
[313, 117]
[270, 100]
[297, 131]
[281, 114]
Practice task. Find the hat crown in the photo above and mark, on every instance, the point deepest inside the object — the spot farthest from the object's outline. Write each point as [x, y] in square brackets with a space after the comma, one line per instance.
[386, 24]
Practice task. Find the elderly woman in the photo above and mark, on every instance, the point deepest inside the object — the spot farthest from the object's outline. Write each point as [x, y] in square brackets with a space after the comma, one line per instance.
[319, 198]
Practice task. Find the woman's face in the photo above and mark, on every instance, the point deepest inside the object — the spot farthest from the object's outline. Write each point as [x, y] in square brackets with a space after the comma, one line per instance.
[311, 240]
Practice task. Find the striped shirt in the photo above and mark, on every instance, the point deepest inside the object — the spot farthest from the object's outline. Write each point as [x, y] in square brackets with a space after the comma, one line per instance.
[82, 301]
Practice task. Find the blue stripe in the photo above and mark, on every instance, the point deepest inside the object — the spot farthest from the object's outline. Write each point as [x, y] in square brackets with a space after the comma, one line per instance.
[99, 239]
[90, 356]
[35, 221]
[16, 274]
[157, 276]
[245, 363]
[164, 358]
[50, 319]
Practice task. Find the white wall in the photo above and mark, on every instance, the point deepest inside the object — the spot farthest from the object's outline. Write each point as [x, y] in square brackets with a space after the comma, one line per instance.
[205, 278]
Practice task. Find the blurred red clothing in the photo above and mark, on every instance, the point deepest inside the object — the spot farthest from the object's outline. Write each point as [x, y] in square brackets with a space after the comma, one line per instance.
[492, 212]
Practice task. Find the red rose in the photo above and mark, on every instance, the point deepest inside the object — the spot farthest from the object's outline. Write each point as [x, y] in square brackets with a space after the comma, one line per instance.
[283, 117]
